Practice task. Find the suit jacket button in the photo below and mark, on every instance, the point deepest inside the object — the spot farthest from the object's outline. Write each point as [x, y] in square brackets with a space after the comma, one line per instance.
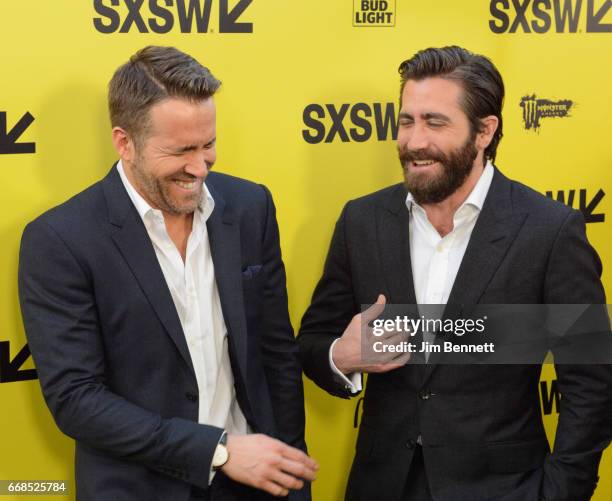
[191, 396]
[425, 394]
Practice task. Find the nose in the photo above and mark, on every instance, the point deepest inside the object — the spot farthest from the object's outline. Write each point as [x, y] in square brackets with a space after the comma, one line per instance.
[200, 162]
[417, 138]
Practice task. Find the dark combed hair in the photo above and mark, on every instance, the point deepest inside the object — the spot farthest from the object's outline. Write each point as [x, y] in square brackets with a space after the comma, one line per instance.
[151, 75]
[483, 87]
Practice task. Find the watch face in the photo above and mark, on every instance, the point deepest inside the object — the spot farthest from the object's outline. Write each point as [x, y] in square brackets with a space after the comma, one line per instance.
[220, 456]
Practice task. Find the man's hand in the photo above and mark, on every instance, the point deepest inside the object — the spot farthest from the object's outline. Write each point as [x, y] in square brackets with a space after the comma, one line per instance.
[268, 464]
[347, 354]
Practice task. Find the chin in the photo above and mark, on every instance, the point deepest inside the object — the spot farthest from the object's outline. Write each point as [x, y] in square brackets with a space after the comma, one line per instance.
[186, 208]
[419, 178]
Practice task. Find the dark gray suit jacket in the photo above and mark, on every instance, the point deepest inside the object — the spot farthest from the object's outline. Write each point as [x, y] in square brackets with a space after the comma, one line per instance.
[110, 352]
[481, 426]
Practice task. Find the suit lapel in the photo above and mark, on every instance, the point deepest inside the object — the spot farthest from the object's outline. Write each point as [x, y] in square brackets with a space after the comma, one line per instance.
[392, 226]
[494, 232]
[133, 241]
[225, 247]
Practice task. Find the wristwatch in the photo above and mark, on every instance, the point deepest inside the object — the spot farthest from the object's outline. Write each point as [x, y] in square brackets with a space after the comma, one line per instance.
[221, 455]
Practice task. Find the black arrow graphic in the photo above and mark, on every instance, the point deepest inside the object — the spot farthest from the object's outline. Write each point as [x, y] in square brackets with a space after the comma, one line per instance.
[227, 18]
[561, 197]
[594, 24]
[8, 141]
[587, 210]
[9, 369]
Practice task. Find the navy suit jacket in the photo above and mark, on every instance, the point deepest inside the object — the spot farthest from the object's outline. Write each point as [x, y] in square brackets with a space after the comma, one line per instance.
[480, 425]
[111, 355]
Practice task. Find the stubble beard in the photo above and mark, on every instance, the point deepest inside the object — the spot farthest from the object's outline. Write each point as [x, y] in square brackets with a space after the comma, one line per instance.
[157, 191]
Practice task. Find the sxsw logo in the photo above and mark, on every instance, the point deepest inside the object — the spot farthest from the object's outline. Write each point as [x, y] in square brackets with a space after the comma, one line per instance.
[349, 122]
[586, 205]
[373, 13]
[550, 397]
[541, 16]
[161, 16]
[534, 110]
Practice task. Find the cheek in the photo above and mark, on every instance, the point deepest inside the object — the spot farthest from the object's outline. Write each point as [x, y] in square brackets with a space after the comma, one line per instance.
[403, 137]
[449, 141]
[169, 167]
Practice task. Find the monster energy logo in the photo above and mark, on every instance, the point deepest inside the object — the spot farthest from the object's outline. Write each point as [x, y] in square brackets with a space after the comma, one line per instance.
[535, 109]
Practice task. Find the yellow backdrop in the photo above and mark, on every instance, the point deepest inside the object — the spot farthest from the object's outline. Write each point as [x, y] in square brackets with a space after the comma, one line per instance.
[288, 67]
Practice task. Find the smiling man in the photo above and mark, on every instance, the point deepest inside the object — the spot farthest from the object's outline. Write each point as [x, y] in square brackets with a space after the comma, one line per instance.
[155, 308]
[459, 233]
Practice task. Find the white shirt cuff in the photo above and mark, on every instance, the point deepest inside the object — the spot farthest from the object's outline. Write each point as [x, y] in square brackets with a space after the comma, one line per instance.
[212, 473]
[353, 381]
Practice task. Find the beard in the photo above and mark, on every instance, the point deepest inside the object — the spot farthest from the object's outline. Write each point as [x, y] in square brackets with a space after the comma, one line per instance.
[433, 187]
[157, 191]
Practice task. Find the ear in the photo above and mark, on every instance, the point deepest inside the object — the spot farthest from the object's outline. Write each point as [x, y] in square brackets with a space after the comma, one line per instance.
[485, 136]
[124, 144]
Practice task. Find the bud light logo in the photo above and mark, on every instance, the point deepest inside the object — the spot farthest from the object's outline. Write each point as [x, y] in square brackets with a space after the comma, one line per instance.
[373, 13]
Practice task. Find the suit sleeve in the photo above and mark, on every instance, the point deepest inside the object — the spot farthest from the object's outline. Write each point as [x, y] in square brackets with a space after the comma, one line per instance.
[278, 346]
[584, 428]
[61, 323]
[331, 310]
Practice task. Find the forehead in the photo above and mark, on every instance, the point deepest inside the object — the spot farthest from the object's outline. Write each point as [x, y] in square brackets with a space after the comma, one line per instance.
[180, 118]
[432, 95]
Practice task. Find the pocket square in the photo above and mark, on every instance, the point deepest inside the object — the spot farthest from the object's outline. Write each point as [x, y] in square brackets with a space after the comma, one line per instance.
[251, 271]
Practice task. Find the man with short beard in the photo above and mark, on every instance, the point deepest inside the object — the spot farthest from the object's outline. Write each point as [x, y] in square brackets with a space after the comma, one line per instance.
[457, 232]
[155, 307]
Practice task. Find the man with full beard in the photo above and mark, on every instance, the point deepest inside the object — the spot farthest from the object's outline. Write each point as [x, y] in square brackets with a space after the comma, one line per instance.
[155, 308]
[456, 232]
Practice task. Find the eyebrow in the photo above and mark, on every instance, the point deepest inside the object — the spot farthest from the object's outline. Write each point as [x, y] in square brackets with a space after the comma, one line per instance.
[427, 116]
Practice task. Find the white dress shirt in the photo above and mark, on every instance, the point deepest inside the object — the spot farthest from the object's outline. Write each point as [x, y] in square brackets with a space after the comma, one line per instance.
[196, 298]
[435, 259]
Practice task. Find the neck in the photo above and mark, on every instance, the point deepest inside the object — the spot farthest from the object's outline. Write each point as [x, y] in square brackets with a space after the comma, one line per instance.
[441, 214]
[179, 228]
[178, 220]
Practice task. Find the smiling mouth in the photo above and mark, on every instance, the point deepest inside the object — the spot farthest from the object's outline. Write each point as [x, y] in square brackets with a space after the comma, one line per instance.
[422, 163]
[187, 185]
